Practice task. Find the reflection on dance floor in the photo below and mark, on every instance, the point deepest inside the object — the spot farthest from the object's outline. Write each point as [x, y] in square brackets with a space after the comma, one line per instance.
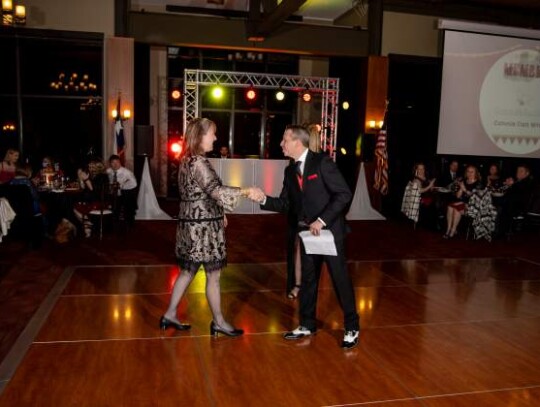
[445, 332]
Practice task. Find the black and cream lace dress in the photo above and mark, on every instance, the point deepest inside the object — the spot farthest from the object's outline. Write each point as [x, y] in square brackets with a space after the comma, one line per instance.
[200, 235]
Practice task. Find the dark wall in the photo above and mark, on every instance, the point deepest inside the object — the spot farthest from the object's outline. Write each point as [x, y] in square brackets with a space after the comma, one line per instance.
[414, 87]
[352, 73]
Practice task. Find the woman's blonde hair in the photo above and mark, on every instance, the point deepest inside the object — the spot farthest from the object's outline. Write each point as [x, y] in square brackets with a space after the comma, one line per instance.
[477, 175]
[195, 131]
[95, 167]
[314, 138]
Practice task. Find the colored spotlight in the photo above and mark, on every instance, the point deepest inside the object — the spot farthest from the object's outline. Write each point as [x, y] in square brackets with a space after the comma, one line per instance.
[306, 96]
[217, 92]
[343, 151]
[176, 94]
[251, 95]
[176, 148]
[345, 105]
[280, 95]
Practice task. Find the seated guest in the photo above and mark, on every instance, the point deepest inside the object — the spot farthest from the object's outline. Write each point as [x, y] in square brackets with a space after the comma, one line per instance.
[22, 177]
[420, 178]
[417, 194]
[493, 180]
[124, 185]
[517, 197]
[94, 183]
[48, 171]
[8, 166]
[450, 176]
[465, 190]
[31, 223]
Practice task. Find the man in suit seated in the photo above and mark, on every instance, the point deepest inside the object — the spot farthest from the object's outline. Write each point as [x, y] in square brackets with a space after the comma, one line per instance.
[450, 175]
[316, 195]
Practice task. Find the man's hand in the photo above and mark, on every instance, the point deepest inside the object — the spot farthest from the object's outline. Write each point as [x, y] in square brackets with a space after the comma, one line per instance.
[255, 194]
[315, 228]
[225, 221]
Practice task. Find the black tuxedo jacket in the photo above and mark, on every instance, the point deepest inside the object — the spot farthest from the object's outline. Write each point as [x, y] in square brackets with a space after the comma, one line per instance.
[324, 194]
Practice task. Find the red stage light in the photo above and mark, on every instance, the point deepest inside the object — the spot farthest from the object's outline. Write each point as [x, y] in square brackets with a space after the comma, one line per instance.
[176, 148]
[251, 94]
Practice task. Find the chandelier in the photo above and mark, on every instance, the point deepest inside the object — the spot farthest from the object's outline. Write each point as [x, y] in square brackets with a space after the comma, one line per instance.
[73, 83]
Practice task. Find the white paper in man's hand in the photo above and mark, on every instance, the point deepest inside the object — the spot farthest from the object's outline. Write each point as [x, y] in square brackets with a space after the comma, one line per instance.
[322, 244]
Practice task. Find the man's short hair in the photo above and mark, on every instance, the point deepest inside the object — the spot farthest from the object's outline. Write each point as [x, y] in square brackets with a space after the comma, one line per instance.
[525, 167]
[114, 157]
[299, 133]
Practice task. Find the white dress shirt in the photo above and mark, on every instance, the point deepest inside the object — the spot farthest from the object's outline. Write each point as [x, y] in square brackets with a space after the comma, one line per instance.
[125, 178]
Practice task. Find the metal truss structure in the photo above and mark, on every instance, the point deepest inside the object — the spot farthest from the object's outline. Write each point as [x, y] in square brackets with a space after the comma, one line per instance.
[327, 87]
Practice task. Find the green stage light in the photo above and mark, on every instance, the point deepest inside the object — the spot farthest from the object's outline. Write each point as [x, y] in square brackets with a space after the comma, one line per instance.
[217, 92]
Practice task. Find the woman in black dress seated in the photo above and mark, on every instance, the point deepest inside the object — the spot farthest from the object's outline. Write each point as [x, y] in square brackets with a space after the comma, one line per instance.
[493, 179]
[457, 208]
[94, 184]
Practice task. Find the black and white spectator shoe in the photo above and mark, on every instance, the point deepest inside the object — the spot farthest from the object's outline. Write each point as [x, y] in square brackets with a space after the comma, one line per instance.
[298, 333]
[350, 340]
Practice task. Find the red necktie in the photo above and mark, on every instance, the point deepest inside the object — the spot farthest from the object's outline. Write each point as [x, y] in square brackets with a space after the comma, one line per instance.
[299, 173]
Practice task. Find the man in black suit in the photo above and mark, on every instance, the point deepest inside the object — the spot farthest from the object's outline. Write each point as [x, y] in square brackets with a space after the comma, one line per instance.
[315, 194]
[450, 175]
[516, 198]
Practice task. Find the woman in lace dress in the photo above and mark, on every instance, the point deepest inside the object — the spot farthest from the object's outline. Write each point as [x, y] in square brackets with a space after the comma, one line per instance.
[200, 236]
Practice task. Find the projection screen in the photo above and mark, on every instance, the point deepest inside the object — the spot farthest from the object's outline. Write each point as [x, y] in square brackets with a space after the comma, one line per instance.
[490, 96]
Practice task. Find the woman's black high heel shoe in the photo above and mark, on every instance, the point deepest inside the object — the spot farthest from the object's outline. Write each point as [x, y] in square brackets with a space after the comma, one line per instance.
[165, 323]
[215, 329]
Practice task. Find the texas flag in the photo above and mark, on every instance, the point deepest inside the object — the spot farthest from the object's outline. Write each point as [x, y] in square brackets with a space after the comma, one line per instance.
[119, 142]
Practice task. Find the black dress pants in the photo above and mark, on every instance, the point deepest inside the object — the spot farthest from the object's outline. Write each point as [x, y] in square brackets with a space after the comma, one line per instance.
[311, 272]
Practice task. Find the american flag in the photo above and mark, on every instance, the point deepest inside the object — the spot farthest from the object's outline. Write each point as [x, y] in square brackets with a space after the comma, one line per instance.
[119, 139]
[381, 155]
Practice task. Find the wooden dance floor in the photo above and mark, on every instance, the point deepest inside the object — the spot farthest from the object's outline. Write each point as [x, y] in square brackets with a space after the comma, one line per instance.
[435, 333]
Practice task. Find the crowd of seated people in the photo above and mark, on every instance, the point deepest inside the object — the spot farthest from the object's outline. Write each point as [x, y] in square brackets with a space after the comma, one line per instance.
[96, 188]
[501, 199]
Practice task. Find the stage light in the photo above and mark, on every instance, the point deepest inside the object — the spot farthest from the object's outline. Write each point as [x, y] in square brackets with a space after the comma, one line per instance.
[280, 95]
[176, 148]
[217, 92]
[251, 95]
[176, 94]
[343, 151]
[306, 96]
[345, 105]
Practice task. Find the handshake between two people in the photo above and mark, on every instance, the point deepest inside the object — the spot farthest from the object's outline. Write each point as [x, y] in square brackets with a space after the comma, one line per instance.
[254, 193]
